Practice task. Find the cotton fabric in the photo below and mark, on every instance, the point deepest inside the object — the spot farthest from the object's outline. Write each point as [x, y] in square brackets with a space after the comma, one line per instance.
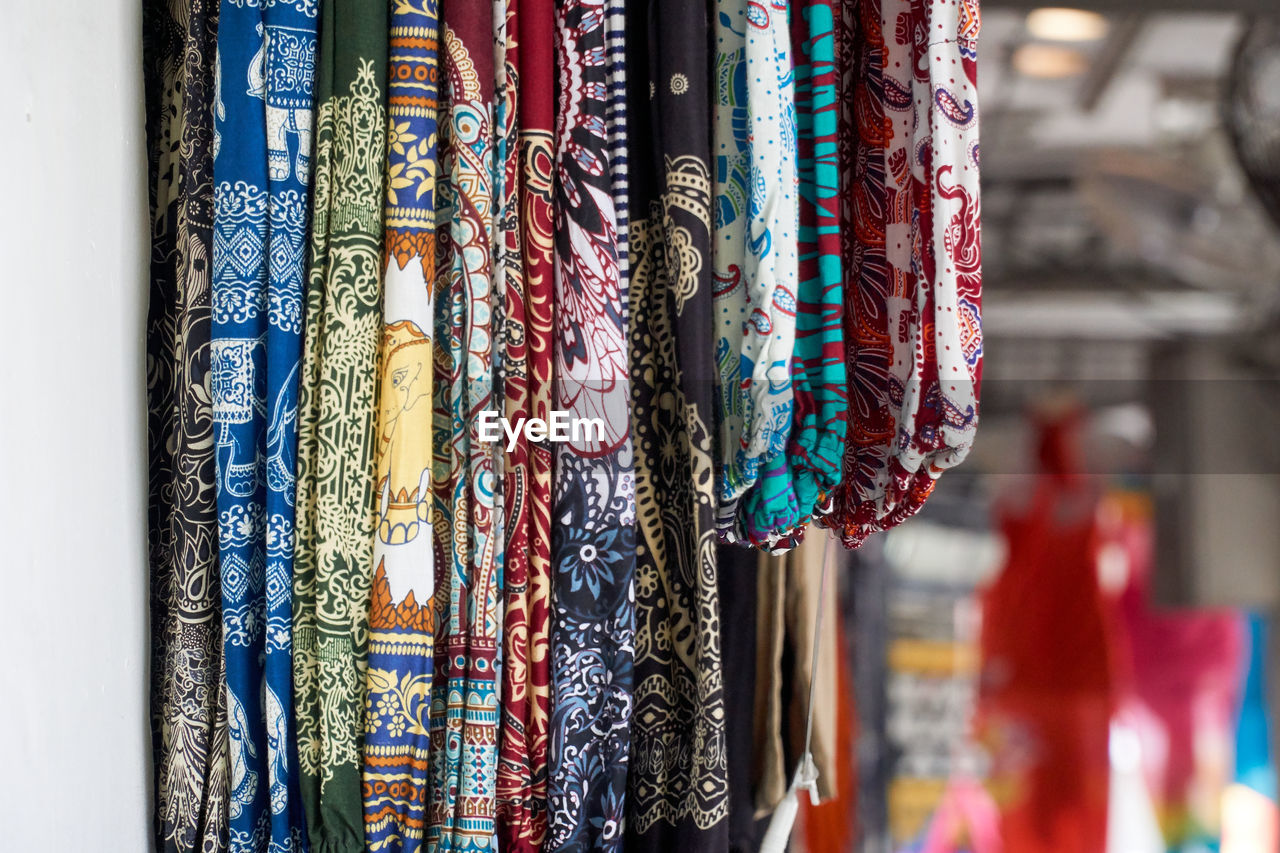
[401, 617]
[526, 673]
[187, 713]
[593, 514]
[677, 784]
[337, 425]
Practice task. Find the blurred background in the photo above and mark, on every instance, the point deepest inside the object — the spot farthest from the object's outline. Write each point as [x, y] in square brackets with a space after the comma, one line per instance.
[1071, 648]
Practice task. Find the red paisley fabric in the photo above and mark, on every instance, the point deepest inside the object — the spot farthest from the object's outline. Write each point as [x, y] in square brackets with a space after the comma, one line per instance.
[526, 678]
[911, 246]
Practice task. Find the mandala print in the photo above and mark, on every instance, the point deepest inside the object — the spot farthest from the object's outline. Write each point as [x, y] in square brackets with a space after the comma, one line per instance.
[677, 795]
[187, 713]
[593, 534]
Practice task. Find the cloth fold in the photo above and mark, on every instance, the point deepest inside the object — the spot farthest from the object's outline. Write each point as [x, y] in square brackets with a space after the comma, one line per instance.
[337, 421]
[189, 743]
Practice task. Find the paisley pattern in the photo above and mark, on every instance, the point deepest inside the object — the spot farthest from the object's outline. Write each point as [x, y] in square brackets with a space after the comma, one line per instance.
[756, 266]
[401, 618]
[677, 783]
[338, 405]
[913, 309]
[262, 171]
[593, 533]
[464, 703]
[526, 674]
[187, 713]
[480, 647]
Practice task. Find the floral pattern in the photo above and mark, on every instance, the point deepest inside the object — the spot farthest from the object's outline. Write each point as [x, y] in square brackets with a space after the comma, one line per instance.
[337, 424]
[593, 516]
[401, 618]
[187, 713]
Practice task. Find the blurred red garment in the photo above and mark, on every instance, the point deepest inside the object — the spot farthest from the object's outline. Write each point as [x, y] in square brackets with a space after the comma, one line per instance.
[1046, 690]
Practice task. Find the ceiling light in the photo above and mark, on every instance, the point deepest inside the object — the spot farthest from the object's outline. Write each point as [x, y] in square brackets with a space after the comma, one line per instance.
[1048, 61]
[1053, 24]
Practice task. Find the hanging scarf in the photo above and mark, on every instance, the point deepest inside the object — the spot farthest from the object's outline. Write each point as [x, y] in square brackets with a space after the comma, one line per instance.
[337, 461]
[677, 796]
[593, 537]
[401, 629]
[913, 327]
[188, 717]
[818, 372]
[262, 171]
[464, 693]
[526, 674]
[755, 267]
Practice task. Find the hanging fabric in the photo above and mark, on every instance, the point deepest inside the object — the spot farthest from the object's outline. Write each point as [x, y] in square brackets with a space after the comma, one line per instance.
[807, 776]
[677, 794]
[188, 715]
[739, 603]
[755, 266]
[337, 463]
[526, 672]
[401, 619]
[818, 429]
[795, 703]
[593, 532]
[913, 304]
[262, 171]
[464, 709]
[403, 635]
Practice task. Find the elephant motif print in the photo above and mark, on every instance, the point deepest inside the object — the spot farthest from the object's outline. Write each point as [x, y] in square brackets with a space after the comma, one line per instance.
[282, 74]
[244, 781]
[262, 170]
[238, 375]
[403, 500]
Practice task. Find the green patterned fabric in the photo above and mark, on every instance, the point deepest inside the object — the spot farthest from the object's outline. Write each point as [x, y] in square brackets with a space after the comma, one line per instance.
[336, 508]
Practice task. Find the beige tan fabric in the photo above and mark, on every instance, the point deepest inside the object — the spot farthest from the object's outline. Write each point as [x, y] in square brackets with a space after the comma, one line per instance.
[786, 619]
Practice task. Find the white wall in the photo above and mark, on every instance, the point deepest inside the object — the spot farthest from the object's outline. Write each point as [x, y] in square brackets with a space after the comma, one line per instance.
[73, 665]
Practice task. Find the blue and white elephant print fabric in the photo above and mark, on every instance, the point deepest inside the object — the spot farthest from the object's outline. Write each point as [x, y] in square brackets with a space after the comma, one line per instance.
[262, 169]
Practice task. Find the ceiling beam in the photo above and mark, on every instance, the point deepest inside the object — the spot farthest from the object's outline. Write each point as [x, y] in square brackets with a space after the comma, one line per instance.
[1107, 63]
